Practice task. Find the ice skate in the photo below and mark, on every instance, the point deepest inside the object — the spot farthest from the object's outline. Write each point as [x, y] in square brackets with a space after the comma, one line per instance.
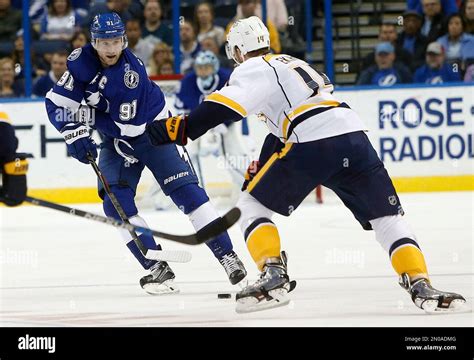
[233, 267]
[160, 281]
[429, 299]
[270, 291]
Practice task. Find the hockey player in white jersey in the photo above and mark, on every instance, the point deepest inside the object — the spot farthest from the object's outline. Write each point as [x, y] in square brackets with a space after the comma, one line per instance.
[225, 140]
[314, 139]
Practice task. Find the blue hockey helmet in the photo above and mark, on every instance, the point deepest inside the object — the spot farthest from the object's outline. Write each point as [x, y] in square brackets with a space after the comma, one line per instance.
[206, 79]
[108, 26]
[207, 57]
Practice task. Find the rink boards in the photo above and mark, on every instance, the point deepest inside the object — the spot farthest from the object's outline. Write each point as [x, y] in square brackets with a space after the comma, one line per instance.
[424, 135]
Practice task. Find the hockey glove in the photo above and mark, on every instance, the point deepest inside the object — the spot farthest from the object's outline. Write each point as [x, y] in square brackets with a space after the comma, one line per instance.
[94, 98]
[79, 143]
[170, 130]
[252, 170]
[13, 192]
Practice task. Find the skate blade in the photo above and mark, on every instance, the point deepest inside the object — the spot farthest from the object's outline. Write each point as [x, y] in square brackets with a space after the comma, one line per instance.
[456, 306]
[251, 304]
[165, 288]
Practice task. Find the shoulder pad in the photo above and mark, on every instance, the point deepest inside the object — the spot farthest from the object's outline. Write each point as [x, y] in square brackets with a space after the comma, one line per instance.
[83, 64]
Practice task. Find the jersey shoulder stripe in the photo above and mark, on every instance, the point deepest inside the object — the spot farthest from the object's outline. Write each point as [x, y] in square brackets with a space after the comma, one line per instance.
[223, 100]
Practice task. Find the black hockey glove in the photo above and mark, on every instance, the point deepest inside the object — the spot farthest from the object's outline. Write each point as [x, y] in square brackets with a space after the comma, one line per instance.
[170, 130]
[13, 192]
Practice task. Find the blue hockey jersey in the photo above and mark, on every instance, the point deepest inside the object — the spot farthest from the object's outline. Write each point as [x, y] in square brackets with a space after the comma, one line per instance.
[425, 74]
[134, 100]
[190, 96]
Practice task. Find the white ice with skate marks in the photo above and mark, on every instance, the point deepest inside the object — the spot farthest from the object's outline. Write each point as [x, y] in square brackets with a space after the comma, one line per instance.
[57, 270]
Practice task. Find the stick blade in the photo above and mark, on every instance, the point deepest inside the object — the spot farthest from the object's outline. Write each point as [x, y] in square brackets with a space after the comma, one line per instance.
[217, 228]
[169, 255]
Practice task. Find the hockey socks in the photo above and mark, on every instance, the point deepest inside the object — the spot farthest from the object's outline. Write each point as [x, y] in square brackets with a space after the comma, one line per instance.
[396, 237]
[125, 196]
[263, 241]
[194, 202]
[406, 257]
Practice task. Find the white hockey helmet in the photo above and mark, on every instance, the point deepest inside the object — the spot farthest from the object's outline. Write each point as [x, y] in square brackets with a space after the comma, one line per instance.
[248, 35]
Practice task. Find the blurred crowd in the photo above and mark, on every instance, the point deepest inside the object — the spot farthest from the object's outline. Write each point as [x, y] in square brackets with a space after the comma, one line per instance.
[433, 43]
[60, 26]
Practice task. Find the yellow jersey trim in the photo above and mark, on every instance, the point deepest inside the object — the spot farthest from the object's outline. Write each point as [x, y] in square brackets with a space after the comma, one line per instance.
[221, 99]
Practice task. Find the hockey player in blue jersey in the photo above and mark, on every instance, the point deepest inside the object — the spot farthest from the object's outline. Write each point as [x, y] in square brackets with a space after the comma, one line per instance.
[121, 101]
[207, 77]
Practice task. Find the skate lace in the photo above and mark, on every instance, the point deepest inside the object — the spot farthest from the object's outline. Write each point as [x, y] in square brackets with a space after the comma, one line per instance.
[230, 263]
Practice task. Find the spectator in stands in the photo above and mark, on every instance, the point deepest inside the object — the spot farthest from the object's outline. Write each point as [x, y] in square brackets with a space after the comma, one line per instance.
[39, 66]
[388, 33]
[166, 68]
[140, 47]
[209, 43]
[386, 72]
[249, 9]
[58, 67]
[10, 21]
[9, 87]
[153, 30]
[204, 23]
[436, 70]
[448, 6]
[277, 13]
[125, 8]
[38, 9]
[467, 11]
[60, 22]
[411, 38]
[161, 54]
[79, 39]
[292, 42]
[189, 46]
[432, 26]
[459, 46]
[469, 75]
[82, 7]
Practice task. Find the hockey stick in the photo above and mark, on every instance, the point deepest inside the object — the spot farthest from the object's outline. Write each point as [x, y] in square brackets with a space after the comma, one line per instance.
[216, 229]
[161, 255]
[116, 204]
[208, 232]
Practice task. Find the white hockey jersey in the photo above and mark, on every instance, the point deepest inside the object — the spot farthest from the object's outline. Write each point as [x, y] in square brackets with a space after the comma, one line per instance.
[294, 100]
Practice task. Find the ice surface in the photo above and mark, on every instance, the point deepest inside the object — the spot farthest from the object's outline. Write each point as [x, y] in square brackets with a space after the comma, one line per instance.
[58, 270]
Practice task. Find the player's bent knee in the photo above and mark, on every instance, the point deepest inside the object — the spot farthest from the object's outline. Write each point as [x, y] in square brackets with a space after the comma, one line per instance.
[189, 197]
[251, 210]
[125, 196]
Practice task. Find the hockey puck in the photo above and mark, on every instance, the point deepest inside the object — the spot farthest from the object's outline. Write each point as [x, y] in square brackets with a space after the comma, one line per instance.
[224, 296]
